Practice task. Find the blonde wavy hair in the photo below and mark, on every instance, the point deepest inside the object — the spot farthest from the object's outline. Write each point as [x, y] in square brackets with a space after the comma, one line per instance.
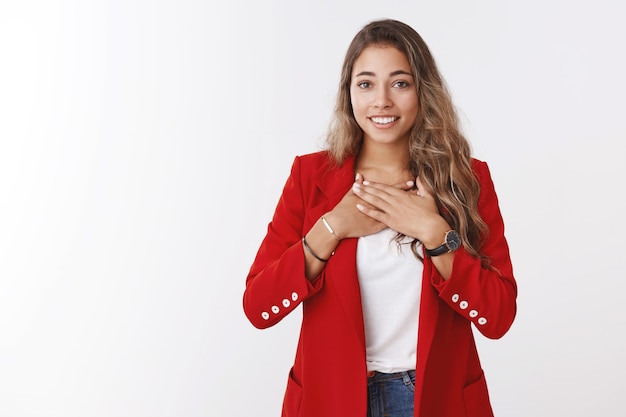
[439, 153]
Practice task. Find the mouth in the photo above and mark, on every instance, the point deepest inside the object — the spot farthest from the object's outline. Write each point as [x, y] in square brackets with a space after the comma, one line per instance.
[382, 121]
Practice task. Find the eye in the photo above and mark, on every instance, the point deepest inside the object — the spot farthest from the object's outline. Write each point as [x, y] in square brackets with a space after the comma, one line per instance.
[364, 84]
[400, 84]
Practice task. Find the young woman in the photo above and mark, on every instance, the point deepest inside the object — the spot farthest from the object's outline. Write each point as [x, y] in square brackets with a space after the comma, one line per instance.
[393, 242]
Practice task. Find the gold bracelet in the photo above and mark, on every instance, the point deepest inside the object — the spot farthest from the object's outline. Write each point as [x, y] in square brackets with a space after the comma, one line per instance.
[330, 229]
[308, 248]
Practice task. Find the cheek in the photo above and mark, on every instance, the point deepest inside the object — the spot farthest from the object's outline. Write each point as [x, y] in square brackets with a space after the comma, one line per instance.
[358, 112]
[411, 104]
[358, 106]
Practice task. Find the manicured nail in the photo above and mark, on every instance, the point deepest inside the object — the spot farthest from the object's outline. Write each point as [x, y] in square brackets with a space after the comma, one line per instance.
[358, 176]
[409, 183]
[356, 187]
[360, 207]
[366, 183]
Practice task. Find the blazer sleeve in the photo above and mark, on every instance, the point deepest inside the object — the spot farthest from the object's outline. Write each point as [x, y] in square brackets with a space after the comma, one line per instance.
[276, 283]
[485, 296]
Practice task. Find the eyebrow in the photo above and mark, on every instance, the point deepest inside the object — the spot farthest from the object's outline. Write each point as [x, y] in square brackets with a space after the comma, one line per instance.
[392, 74]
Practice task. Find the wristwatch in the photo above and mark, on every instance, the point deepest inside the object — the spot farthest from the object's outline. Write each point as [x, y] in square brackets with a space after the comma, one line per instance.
[452, 242]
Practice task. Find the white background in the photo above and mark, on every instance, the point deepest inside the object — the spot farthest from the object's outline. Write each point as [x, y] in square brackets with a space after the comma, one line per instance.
[143, 147]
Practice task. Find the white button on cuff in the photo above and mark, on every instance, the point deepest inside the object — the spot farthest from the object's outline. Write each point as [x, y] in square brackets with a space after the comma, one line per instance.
[482, 320]
[473, 313]
[455, 298]
[463, 305]
[265, 315]
[286, 303]
[294, 296]
[275, 309]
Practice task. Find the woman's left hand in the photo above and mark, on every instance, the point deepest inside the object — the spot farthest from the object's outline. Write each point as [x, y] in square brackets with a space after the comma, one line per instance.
[413, 213]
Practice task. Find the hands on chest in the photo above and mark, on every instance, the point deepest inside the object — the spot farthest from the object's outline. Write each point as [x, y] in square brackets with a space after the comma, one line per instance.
[369, 207]
[408, 208]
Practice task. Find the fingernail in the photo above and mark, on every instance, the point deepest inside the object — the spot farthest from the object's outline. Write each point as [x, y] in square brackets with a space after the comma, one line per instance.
[358, 176]
[360, 207]
[409, 183]
[366, 183]
[356, 187]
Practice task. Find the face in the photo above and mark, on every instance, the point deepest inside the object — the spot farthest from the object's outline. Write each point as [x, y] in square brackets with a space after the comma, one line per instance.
[383, 95]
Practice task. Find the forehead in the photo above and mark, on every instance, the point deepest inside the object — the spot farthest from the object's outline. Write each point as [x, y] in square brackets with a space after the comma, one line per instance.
[381, 60]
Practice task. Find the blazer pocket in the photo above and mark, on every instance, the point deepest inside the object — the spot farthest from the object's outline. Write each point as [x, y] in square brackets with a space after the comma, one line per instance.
[476, 399]
[293, 397]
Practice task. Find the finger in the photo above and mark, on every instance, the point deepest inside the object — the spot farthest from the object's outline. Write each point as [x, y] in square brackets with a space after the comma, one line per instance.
[365, 203]
[371, 212]
[405, 186]
[421, 189]
[384, 188]
[378, 198]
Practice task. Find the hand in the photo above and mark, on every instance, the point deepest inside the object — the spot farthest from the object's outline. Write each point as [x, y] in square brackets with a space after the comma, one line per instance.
[412, 212]
[347, 220]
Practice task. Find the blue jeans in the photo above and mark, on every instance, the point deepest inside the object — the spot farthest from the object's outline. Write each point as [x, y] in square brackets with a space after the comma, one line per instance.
[390, 395]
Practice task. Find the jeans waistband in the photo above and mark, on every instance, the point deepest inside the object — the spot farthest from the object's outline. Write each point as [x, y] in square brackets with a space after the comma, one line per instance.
[381, 376]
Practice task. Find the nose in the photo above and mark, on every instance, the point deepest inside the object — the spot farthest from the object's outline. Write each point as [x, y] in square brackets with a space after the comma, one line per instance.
[382, 99]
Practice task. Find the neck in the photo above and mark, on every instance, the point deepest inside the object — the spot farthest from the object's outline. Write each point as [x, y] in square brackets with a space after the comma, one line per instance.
[386, 163]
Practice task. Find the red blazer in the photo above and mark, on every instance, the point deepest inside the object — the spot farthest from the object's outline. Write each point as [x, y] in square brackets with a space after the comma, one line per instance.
[328, 378]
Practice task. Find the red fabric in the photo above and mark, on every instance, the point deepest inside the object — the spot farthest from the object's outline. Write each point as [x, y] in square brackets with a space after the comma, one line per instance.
[328, 378]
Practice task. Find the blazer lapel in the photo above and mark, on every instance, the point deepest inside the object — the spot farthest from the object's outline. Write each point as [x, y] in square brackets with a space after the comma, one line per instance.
[341, 274]
[429, 313]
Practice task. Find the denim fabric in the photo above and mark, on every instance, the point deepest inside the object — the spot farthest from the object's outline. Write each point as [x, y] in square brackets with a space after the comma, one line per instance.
[390, 395]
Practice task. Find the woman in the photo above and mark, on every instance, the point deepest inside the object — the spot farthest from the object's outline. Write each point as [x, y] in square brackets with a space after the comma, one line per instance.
[395, 197]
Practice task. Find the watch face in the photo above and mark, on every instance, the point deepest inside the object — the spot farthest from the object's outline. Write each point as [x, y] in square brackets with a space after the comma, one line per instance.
[453, 240]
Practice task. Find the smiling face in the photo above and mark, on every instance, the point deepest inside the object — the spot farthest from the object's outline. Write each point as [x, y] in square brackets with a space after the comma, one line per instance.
[383, 95]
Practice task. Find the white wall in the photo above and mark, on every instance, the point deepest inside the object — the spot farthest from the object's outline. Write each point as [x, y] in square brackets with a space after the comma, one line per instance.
[144, 144]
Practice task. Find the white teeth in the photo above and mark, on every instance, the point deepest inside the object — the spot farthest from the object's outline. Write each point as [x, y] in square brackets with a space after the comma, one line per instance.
[384, 120]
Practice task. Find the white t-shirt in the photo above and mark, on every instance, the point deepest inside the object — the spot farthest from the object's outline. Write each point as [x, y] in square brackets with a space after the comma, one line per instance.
[390, 277]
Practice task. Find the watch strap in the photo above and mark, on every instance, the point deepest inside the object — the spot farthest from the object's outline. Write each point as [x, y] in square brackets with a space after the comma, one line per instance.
[439, 250]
